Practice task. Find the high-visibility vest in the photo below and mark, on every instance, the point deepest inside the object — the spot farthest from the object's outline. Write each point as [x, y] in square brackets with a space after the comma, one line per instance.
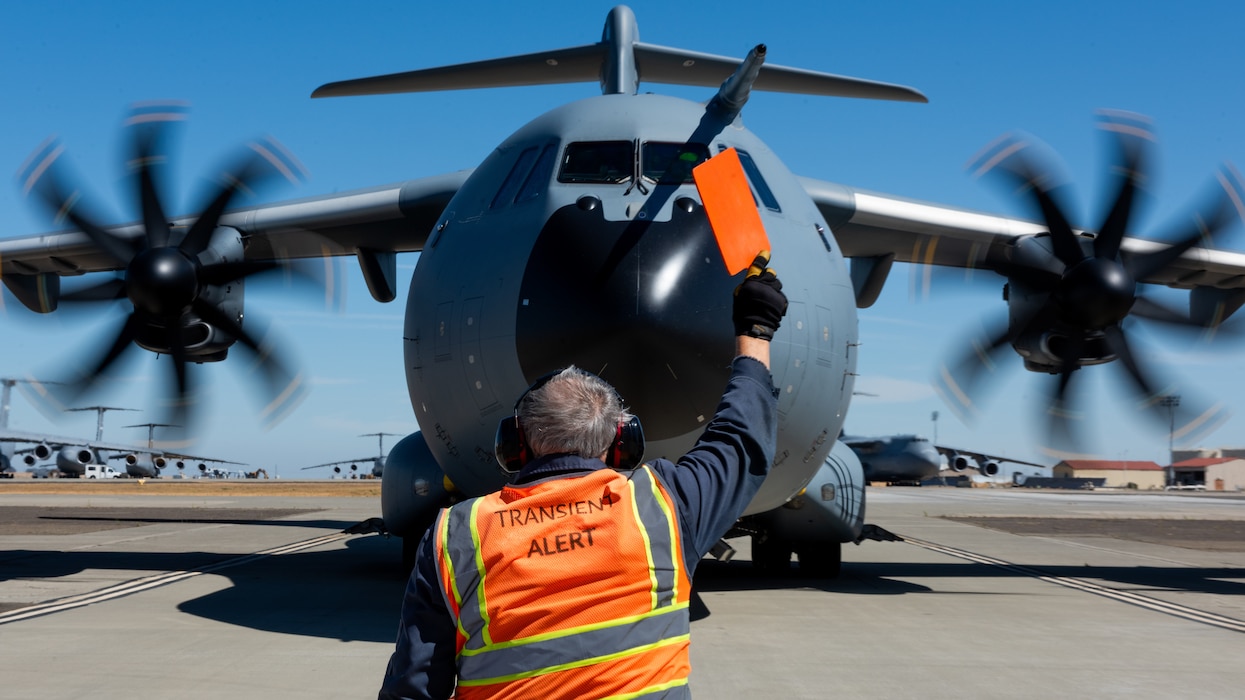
[571, 588]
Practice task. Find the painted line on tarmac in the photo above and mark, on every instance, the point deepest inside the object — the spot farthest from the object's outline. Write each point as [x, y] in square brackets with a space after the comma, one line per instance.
[147, 583]
[1181, 611]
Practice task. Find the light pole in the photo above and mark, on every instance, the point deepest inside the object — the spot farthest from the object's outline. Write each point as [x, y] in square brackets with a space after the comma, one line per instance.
[1171, 401]
[934, 417]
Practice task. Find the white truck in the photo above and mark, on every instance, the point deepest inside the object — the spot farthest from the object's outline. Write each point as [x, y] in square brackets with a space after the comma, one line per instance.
[100, 471]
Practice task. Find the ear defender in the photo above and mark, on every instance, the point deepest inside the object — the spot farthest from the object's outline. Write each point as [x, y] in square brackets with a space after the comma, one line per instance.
[628, 449]
[512, 453]
[509, 446]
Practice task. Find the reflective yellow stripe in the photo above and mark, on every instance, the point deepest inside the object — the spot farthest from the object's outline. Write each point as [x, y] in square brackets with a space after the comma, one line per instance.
[577, 664]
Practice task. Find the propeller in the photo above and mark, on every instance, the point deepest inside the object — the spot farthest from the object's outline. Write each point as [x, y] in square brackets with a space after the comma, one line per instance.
[172, 273]
[1072, 297]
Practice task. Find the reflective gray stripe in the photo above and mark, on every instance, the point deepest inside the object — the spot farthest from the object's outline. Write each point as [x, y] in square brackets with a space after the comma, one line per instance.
[462, 551]
[660, 529]
[572, 648]
[680, 692]
[483, 659]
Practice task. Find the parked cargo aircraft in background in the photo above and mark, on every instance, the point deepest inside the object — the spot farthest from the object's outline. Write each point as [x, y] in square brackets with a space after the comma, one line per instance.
[70, 456]
[910, 459]
[149, 463]
[378, 461]
[582, 239]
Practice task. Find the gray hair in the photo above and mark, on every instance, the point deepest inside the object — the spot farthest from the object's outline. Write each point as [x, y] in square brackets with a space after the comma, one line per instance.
[574, 412]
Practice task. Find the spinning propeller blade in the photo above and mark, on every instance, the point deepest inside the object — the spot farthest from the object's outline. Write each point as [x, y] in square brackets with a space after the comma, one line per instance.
[172, 273]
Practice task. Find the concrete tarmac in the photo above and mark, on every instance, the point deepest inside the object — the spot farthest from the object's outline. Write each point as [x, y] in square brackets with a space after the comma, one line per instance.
[262, 597]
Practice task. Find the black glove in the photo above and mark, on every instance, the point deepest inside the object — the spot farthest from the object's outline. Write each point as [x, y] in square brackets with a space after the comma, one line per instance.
[759, 301]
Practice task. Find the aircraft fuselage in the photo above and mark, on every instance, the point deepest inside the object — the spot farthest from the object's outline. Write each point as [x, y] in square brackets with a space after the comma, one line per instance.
[581, 240]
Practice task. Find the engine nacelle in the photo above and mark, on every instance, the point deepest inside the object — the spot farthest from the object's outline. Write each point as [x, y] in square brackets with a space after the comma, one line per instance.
[413, 488]
[989, 467]
[27, 459]
[204, 342]
[1042, 348]
[72, 459]
[144, 465]
[957, 462]
[41, 451]
[832, 505]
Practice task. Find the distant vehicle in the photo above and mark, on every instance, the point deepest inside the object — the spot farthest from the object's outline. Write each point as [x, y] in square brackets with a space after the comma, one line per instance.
[100, 471]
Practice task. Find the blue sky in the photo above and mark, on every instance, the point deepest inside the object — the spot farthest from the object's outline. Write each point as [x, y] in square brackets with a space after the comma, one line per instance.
[247, 69]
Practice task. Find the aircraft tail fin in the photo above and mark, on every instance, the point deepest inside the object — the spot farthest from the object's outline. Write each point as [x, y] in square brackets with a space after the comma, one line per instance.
[619, 62]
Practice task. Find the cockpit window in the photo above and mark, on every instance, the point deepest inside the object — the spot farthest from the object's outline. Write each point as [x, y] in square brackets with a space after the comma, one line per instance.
[605, 162]
[758, 183]
[538, 179]
[514, 178]
[672, 163]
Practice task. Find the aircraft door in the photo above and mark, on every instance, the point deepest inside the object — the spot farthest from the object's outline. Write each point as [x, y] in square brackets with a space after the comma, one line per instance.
[789, 375]
[472, 360]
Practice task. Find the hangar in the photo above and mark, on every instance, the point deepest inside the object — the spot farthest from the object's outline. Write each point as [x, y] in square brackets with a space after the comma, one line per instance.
[1115, 473]
[1213, 473]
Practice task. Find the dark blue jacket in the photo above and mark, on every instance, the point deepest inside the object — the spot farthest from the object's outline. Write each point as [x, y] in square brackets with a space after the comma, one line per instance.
[711, 485]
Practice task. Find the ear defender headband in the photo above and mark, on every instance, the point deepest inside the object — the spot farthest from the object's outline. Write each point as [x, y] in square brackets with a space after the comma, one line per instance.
[512, 451]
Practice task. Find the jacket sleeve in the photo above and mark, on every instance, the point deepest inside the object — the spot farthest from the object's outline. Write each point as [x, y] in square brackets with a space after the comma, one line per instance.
[423, 664]
[714, 482]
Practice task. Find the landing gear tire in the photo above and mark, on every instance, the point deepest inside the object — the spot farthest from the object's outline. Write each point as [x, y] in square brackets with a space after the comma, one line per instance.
[771, 554]
[820, 559]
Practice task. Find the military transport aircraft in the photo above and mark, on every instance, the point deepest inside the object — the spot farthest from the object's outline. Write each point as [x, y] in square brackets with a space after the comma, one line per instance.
[581, 239]
[378, 461]
[70, 456]
[151, 462]
[909, 459]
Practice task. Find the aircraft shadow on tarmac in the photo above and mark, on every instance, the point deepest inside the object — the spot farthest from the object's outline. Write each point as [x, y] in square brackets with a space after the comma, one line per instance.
[898, 578]
[326, 524]
[355, 593]
[1138, 579]
[347, 594]
[220, 516]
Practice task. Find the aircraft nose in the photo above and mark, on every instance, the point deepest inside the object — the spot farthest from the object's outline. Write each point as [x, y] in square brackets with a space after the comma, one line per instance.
[644, 304]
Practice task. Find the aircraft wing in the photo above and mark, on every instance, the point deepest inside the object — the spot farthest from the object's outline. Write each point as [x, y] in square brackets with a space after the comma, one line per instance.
[60, 440]
[982, 457]
[178, 455]
[362, 460]
[368, 223]
[877, 229]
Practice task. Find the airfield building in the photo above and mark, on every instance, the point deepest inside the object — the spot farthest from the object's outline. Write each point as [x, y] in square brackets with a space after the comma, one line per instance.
[1213, 473]
[1115, 473]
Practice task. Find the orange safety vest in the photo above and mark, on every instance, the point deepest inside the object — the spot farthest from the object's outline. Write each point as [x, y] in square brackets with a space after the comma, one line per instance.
[570, 588]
